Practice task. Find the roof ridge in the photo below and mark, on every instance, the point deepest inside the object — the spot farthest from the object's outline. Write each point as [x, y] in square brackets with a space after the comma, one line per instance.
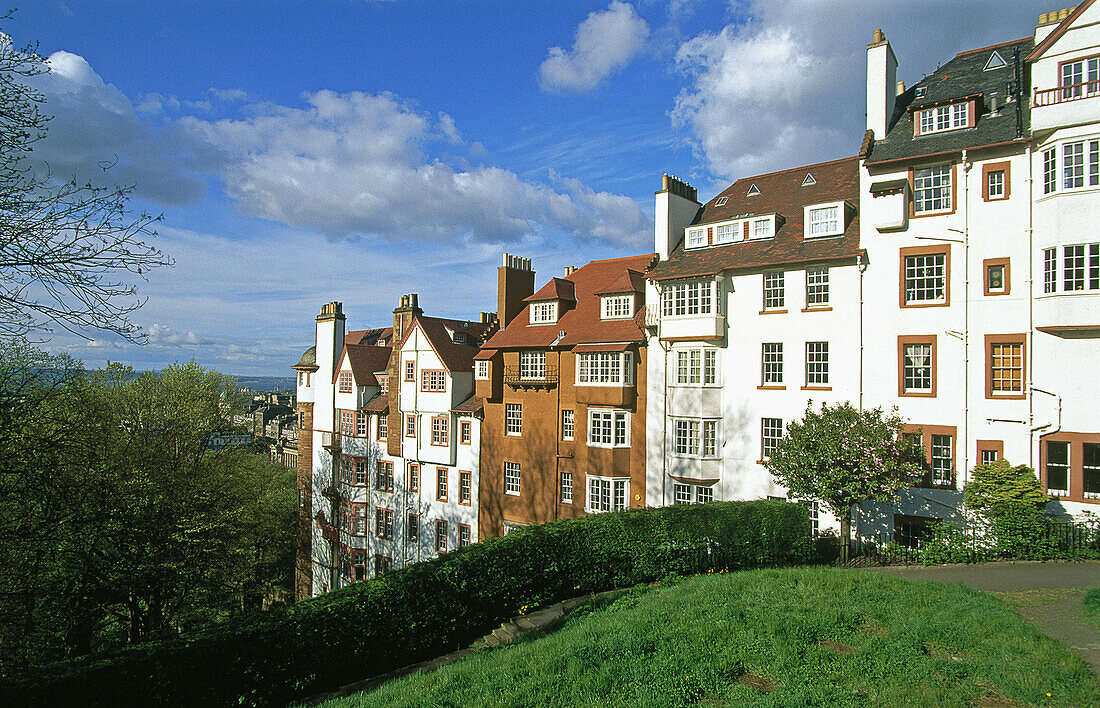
[993, 46]
[790, 169]
[617, 258]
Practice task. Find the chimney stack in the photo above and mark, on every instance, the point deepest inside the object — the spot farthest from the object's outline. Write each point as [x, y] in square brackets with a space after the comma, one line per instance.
[882, 70]
[676, 207]
[403, 314]
[569, 270]
[515, 281]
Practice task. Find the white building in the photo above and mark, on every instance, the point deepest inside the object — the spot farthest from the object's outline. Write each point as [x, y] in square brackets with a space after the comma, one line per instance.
[949, 271]
[395, 437]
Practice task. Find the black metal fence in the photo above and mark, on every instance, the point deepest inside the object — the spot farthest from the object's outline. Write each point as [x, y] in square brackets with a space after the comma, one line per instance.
[1025, 539]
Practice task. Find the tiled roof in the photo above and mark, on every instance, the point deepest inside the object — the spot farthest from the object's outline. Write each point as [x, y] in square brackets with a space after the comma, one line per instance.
[455, 357]
[631, 281]
[474, 405]
[556, 289]
[369, 336]
[583, 323]
[365, 359]
[963, 76]
[378, 404]
[781, 193]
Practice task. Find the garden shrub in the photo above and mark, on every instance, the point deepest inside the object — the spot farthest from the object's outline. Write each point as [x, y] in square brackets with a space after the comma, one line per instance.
[424, 610]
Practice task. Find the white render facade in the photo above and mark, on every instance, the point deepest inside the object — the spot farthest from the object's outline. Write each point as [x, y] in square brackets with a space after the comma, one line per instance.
[373, 510]
[973, 305]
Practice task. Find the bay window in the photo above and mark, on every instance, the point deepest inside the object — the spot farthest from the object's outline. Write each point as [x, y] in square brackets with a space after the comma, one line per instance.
[605, 368]
[694, 297]
[608, 428]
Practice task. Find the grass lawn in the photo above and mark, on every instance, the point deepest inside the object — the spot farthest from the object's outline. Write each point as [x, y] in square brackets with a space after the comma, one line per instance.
[795, 637]
[1092, 606]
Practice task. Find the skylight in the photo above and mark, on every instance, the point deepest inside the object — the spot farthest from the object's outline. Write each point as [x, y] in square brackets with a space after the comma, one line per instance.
[808, 180]
[996, 61]
[753, 190]
[721, 201]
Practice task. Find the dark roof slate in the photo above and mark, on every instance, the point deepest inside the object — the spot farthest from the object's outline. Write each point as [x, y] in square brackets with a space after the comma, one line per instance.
[780, 193]
[308, 360]
[963, 76]
[364, 359]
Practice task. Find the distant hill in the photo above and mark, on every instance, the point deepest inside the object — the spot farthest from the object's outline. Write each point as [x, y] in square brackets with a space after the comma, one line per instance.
[265, 384]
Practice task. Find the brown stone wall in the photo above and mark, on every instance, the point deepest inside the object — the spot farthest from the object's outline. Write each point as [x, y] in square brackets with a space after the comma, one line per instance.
[543, 455]
[303, 566]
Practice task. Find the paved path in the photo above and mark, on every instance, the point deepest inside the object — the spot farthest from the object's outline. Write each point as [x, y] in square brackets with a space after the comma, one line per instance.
[1048, 594]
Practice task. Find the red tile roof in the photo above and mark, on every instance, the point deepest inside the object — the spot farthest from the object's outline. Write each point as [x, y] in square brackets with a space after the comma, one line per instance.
[365, 359]
[780, 193]
[369, 336]
[378, 404]
[583, 323]
[474, 405]
[631, 281]
[455, 357]
[556, 289]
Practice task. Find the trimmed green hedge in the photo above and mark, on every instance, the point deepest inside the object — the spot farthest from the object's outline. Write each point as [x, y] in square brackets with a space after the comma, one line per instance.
[425, 610]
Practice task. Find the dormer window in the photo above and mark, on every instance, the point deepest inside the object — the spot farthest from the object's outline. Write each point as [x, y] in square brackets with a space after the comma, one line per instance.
[617, 307]
[459, 338]
[544, 312]
[383, 383]
[753, 191]
[696, 238]
[725, 233]
[943, 118]
[824, 220]
[763, 228]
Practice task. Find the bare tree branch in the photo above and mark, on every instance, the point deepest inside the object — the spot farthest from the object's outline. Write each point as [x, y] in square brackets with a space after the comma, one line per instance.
[69, 253]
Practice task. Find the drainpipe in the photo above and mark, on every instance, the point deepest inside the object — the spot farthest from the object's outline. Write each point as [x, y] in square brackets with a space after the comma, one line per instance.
[862, 270]
[966, 164]
[1031, 315]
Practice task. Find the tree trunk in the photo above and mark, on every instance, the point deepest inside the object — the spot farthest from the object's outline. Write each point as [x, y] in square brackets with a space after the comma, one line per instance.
[845, 534]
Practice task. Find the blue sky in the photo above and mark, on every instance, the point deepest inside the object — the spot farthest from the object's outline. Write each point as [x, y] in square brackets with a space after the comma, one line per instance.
[303, 152]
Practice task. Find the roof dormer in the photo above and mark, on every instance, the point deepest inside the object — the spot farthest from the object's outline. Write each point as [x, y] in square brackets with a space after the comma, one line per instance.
[945, 115]
[551, 301]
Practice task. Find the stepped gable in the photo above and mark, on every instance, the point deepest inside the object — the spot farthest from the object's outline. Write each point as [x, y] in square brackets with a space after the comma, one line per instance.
[781, 193]
[962, 77]
[581, 324]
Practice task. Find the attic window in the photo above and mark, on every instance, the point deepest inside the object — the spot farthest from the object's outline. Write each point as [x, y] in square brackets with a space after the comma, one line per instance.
[753, 191]
[996, 61]
[919, 91]
[943, 118]
[459, 338]
[809, 180]
[721, 201]
[544, 312]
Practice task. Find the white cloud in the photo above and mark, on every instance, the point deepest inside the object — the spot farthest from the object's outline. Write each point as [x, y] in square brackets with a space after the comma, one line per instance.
[604, 43]
[162, 335]
[786, 86]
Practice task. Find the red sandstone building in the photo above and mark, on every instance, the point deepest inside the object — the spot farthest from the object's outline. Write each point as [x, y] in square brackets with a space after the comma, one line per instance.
[563, 384]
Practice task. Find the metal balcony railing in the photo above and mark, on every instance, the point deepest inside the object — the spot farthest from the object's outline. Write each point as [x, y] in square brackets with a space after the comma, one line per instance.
[525, 377]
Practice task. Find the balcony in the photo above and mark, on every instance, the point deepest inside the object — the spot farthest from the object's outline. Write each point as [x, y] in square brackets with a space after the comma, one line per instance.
[330, 441]
[542, 377]
[1071, 315]
[1065, 105]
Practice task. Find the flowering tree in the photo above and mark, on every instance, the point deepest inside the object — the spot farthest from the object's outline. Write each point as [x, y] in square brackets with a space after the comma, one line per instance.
[841, 455]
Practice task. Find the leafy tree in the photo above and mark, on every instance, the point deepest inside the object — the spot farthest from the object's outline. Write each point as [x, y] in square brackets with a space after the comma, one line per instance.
[121, 522]
[841, 455]
[68, 252]
[1000, 490]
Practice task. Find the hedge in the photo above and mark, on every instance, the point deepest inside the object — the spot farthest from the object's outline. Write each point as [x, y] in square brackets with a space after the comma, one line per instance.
[424, 610]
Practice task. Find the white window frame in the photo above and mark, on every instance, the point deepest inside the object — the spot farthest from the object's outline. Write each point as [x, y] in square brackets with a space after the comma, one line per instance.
[695, 438]
[608, 427]
[565, 491]
[1067, 468]
[727, 233]
[774, 289]
[568, 424]
[481, 369]
[513, 479]
[823, 220]
[762, 228]
[605, 369]
[771, 364]
[692, 493]
[696, 367]
[918, 372]
[532, 364]
[607, 494]
[995, 184]
[817, 287]
[768, 442]
[817, 363]
[689, 298]
[513, 419]
[696, 238]
[932, 189]
[617, 307]
[544, 312]
[939, 119]
[926, 278]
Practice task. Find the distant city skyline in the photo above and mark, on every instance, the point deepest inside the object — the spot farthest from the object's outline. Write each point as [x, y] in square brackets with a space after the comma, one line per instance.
[355, 151]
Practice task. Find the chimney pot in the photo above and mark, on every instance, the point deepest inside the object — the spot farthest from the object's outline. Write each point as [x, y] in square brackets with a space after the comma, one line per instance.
[877, 36]
[901, 87]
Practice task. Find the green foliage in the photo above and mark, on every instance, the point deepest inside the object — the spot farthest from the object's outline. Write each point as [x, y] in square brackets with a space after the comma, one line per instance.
[792, 637]
[426, 609]
[121, 525]
[999, 490]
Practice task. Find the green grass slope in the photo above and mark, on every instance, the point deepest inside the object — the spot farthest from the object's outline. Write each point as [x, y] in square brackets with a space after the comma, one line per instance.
[794, 637]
